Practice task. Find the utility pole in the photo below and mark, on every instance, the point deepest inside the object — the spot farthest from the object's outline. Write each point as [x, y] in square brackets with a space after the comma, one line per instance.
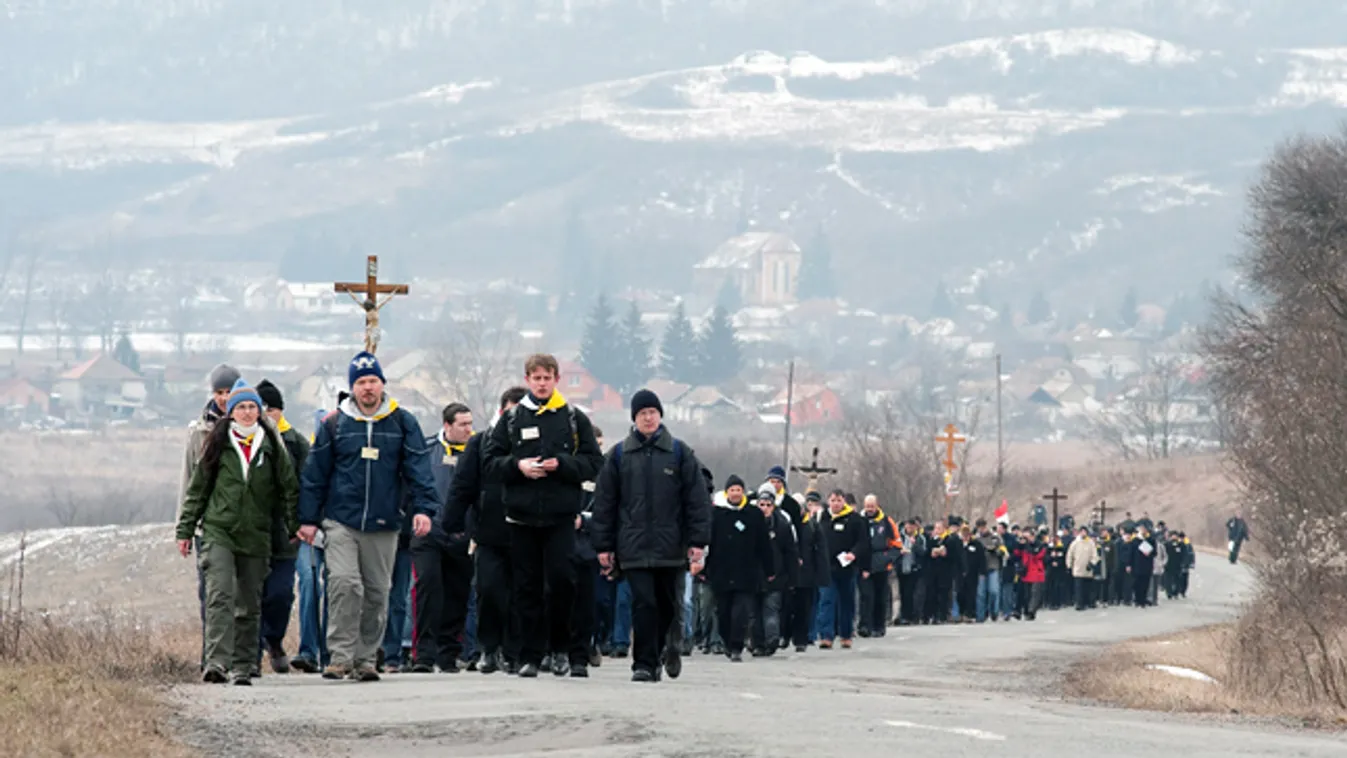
[790, 402]
[1000, 445]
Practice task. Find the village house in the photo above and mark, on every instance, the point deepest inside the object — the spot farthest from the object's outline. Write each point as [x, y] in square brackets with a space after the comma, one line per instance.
[20, 398]
[580, 387]
[810, 405]
[704, 405]
[101, 388]
[763, 266]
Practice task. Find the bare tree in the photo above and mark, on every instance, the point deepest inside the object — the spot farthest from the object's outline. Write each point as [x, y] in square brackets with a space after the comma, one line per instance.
[60, 309]
[181, 316]
[26, 297]
[1278, 371]
[104, 308]
[1147, 420]
[474, 354]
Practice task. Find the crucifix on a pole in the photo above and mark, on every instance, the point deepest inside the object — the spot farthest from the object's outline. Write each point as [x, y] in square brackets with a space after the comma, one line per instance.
[1055, 497]
[950, 438]
[813, 471]
[1101, 513]
[371, 289]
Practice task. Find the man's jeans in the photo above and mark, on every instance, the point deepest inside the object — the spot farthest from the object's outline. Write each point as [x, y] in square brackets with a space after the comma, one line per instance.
[397, 633]
[622, 616]
[989, 594]
[837, 607]
[312, 605]
[687, 606]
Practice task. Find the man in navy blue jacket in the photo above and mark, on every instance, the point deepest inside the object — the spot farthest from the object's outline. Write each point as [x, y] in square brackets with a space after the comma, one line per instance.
[365, 454]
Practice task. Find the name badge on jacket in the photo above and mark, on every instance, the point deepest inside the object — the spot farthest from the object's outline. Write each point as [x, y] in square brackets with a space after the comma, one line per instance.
[369, 453]
[839, 527]
[450, 460]
[528, 433]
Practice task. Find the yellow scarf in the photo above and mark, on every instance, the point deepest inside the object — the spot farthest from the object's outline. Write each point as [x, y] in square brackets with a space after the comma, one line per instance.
[554, 403]
[846, 510]
[453, 448]
[283, 426]
[879, 515]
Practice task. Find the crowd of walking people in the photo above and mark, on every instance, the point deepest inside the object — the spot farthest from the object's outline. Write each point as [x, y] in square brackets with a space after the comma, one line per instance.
[526, 549]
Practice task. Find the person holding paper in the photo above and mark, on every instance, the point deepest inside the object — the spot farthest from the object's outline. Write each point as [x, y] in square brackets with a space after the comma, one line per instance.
[849, 545]
[1143, 568]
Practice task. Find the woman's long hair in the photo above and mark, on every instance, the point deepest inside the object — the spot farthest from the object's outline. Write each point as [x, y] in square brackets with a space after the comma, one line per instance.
[218, 442]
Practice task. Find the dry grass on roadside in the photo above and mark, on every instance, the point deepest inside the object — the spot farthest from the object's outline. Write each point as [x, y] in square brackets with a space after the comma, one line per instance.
[1119, 677]
[74, 688]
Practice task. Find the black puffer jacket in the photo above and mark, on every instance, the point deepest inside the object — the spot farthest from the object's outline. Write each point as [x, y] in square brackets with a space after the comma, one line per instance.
[475, 504]
[651, 503]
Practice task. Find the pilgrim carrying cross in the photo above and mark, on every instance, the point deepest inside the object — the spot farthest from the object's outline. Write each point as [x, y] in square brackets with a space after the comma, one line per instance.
[1055, 497]
[371, 289]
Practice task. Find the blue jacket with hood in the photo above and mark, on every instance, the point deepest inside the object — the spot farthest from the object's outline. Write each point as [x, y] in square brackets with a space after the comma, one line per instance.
[362, 492]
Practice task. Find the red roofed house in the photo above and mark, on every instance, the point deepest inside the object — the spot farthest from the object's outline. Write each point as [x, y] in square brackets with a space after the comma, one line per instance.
[20, 397]
[101, 387]
[812, 405]
[580, 387]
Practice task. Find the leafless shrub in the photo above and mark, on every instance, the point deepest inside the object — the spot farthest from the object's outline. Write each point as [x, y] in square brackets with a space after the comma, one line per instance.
[1278, 370]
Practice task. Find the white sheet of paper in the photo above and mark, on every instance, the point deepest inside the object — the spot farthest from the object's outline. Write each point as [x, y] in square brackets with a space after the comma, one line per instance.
[1146, 548]
[844, 560]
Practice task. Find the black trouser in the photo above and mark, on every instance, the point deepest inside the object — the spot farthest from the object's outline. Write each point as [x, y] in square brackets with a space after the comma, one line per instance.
[583, 612]
[786, 616]
[875, 603]
[495, 632]
[443, 583]
[767, 626]
[1141, 588]
[1183, 583]
[804, 601]
[1234, 551]
[540, 557]
[656, 594]
[941, 598]
[496, 628]
[911, 597]
[1029, 597]
[1081, 590]
[733, 609]
[968, 596]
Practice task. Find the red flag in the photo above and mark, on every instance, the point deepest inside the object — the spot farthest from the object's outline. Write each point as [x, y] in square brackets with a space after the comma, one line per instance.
[1003, 513]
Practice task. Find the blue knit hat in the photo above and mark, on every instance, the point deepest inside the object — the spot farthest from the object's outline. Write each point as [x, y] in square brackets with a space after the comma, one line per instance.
[362, 365]
[240, 394]
[776, 472]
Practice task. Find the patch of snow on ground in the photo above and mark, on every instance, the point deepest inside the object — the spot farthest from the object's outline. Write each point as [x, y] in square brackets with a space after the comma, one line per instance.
[1181, 672]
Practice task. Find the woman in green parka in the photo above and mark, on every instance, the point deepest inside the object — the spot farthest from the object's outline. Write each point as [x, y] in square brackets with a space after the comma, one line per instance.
[243, 482]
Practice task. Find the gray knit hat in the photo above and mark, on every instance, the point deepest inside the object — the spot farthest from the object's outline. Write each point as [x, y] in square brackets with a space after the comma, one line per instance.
[223, 377]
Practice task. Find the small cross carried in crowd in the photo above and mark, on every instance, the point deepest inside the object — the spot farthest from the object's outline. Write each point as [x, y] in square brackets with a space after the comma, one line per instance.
[1055, 497]
[813, 471]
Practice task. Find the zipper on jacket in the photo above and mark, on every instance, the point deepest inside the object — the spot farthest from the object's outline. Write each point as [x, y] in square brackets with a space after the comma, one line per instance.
[369, 442]
[650, 481]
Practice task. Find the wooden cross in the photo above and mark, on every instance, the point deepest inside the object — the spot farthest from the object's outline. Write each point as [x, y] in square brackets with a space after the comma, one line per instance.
[1055, 497]
[371, 289]
[813, 471]
[949, 440]
[1101, 513]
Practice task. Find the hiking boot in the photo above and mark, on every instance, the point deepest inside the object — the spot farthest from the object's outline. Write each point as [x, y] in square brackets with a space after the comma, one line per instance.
[469, 664]
[510, 667]
[560, 666]
[846, 644]
[280, 662]
[337, 671]
[242, 680]
[736, 657]
[365, 673]
[801, 648]
[620, 651]
[863, 632]
[595, 660]
[528, 671]
[717, 649]
[214, 675]
[546, 664]
[255, 673]
[643, 675]
[304, 665]
[673, 661]
[422, 668]
[825, 644]
[579, 671]
[685, 648]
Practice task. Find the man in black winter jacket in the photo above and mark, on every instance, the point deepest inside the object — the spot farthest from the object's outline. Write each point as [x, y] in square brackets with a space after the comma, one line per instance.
[785, 572]
[814, 572]
[849, 549]
[542, 452]
[475, 506]
[738, 561]
[443, 580]
[652, 516]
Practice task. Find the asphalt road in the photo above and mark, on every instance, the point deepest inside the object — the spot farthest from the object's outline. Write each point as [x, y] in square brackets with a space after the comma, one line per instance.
[976, 690]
